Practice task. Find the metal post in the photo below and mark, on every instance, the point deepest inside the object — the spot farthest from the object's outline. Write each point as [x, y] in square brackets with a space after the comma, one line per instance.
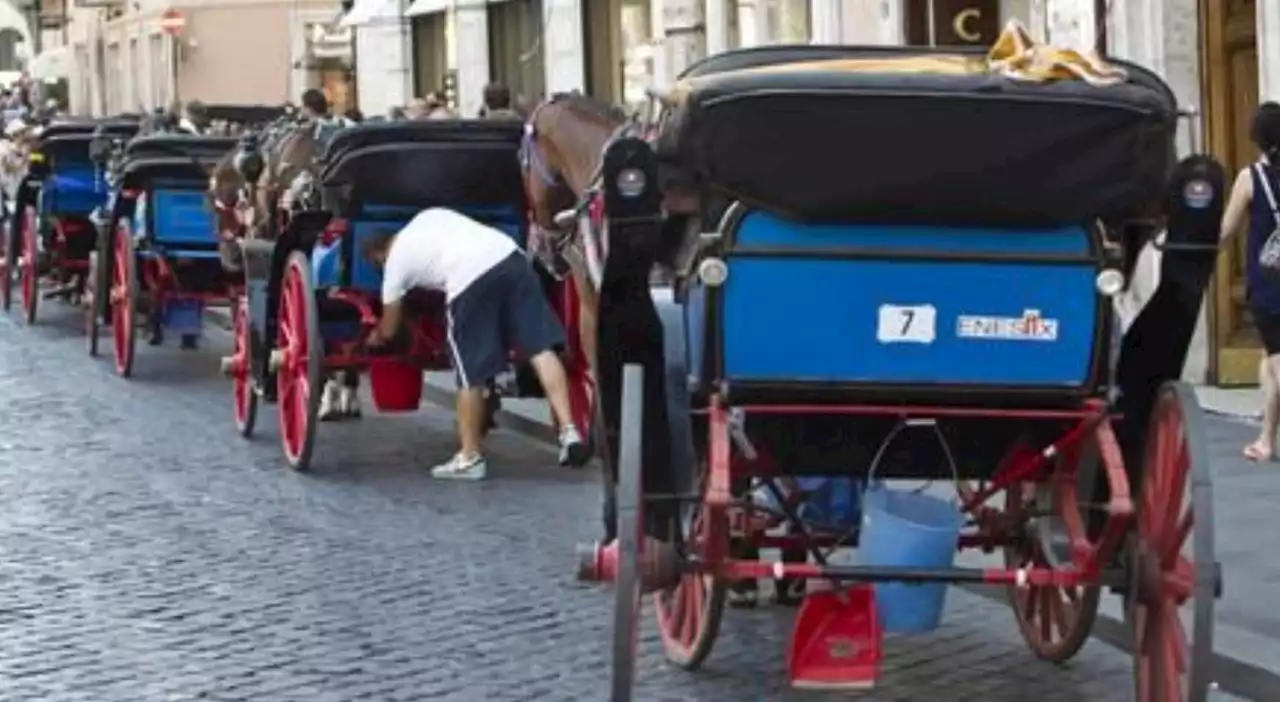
[173, 69]
[932, 19]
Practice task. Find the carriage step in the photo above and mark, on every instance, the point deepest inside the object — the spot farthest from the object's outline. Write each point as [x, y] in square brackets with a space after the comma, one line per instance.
[836, 641]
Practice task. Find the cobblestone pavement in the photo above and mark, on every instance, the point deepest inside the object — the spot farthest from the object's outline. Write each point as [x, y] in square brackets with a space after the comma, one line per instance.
[147, 554]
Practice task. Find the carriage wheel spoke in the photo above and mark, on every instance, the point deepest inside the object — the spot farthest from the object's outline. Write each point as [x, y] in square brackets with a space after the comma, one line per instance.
[1180, 581]
[1045, 613]
[1177, 538]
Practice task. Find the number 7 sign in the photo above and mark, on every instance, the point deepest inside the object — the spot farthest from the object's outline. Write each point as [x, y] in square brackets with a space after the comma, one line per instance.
[907, 324]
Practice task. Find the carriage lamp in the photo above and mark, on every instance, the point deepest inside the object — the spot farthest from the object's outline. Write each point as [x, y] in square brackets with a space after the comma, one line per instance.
[1197, 194]
[631, 182]
[713, 272]
[1110, 282]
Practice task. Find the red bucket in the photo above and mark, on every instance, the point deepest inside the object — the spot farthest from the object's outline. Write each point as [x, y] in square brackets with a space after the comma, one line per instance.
[396, 385]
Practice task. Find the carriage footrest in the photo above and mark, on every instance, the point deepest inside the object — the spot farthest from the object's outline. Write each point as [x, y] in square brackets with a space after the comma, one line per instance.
[836, 642]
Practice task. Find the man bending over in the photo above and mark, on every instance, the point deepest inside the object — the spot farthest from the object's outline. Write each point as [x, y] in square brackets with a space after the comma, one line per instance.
[494, 303]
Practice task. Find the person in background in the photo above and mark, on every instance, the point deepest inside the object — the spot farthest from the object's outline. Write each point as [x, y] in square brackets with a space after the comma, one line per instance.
[497, 103]
[315, 110]
[416, 109]
[1252, 207]
[494, 302]
[13, 162]
[437, 109]
[395, 114]
[194, 118]
[354, 115]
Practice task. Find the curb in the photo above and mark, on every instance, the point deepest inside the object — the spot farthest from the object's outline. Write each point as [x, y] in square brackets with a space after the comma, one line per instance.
[1254, 418]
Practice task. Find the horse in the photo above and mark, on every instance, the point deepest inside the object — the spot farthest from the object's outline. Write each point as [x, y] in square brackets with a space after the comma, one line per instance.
[565, 139]
[258, 211]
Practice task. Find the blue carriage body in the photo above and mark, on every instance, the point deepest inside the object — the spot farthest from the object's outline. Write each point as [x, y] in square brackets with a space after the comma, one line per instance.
[376, 177]
[326, 258]
[175, 216]
[900, 306]
[72, 184]
[72, 188]
[171, 217]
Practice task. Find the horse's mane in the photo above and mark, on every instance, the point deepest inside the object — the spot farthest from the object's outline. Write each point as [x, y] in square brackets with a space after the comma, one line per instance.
[590, 108]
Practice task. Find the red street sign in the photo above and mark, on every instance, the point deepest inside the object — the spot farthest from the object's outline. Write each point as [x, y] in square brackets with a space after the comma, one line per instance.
[172, 22]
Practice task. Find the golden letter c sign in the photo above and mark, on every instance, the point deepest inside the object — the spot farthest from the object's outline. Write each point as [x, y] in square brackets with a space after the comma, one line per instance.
[961, 24]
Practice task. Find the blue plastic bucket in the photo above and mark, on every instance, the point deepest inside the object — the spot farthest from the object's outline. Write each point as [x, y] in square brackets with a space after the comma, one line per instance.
[908, 529]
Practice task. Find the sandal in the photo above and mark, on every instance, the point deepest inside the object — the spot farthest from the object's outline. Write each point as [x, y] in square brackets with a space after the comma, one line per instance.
[1258, 453]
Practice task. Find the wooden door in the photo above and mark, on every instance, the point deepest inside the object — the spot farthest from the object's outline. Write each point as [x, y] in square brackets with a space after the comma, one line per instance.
[1229, 30]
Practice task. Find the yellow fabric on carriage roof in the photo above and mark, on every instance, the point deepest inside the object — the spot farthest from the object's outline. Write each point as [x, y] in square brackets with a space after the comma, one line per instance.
[1015, 55]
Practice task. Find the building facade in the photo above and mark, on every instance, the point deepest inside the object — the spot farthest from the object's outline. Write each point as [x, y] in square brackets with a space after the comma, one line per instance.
[229, 51]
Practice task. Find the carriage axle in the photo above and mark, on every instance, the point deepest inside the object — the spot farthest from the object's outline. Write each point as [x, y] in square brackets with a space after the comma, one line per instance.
[661, 567]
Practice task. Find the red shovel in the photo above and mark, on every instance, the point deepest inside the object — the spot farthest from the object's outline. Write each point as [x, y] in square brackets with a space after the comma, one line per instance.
[836, 640]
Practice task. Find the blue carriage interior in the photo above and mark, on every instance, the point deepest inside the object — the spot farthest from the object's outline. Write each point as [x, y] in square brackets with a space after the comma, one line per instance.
[175, 216]
[886, 314]
[900, 305]
[327, 259]
[73, 186]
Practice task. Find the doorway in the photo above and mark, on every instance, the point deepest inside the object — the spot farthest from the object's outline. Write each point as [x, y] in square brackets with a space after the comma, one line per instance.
[1230, 49]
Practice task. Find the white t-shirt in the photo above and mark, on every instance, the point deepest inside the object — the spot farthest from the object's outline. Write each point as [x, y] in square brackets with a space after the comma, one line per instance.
[440, 249]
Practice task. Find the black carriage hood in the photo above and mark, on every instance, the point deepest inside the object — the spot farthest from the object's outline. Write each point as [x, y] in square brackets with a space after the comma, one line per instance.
[928, 147]
[426, 163]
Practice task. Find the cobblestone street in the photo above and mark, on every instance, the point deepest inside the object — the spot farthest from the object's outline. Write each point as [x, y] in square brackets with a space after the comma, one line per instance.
[148, 554]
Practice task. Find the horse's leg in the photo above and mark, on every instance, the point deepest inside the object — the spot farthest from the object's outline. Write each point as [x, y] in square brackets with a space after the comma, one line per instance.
[349, 393]
[330, 405]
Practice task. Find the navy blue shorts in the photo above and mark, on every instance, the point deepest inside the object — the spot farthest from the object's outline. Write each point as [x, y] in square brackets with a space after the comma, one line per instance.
[503, 310]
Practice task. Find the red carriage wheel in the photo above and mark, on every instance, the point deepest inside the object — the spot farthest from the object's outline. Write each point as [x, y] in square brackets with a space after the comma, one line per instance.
[1054, 621]
[30, 265]
[298, 360]
[123, 300]
[689, 614]
[244, 394]
[9, 246]
[1174, 578]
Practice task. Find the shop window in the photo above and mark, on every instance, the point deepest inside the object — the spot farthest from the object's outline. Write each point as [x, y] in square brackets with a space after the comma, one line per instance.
[430, 53]
[9, 40]
[788, 21]
[637, 51]
[515, 48]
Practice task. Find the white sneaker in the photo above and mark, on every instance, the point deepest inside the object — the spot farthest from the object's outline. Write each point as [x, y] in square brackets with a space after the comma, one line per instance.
[573, 450]
[329, 401]
[462, 468]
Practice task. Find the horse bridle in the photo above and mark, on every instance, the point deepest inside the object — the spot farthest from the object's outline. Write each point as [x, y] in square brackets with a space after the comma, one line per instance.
[532, 160]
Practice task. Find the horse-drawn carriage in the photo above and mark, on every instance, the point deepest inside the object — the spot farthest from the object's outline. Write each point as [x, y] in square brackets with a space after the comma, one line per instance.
[54, 234]
[930, 254]
[157, 249]
[311, 298]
